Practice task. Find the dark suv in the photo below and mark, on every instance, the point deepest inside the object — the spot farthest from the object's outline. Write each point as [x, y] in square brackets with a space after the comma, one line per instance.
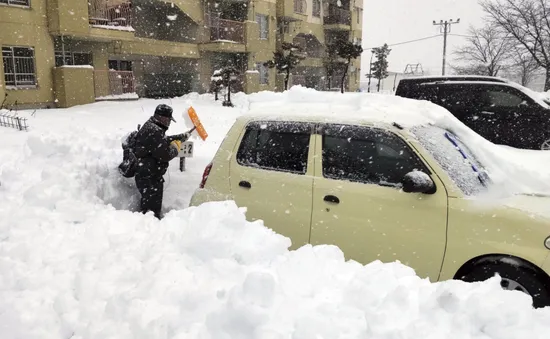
[501, 111]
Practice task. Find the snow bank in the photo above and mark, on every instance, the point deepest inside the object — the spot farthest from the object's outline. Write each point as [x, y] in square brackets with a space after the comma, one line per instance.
[75, 262]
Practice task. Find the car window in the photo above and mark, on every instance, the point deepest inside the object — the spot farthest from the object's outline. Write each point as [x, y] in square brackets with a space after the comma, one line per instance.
[496, 98]
[458, 99]
[275, 146]
[454, 157]
[366, 155]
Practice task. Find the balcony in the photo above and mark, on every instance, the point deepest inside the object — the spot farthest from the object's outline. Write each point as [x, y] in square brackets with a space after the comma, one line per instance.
[337, 18]
[226, 30]
[224, 35]
[108, 14]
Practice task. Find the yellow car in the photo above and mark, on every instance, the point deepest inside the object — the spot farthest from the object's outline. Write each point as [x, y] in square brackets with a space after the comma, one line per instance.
[381, 192]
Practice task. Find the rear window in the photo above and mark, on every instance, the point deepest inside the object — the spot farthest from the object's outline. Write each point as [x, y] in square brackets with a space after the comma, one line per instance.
[276, 146]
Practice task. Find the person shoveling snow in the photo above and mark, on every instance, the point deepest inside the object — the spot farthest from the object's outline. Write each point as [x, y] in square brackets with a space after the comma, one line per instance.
[148, 152]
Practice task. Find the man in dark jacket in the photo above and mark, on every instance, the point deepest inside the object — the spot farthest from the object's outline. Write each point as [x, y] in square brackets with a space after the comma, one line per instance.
[153, 152]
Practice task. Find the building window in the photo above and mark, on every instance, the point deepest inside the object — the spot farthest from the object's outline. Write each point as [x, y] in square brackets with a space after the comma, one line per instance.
[264, 73]
[73, 58]
[359, 15]
[120, 65]
[284, 27]
[26, 3]
[19, 70]
[264, 26]
[316, 8]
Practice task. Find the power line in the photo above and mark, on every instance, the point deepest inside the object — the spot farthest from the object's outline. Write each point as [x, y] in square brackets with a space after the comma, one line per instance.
[407, 42]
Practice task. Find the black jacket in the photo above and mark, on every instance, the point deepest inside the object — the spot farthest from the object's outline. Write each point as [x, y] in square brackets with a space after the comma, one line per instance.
[152, 150]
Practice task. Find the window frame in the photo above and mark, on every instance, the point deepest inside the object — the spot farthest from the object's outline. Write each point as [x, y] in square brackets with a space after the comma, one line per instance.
[259, 17]
[275, 125]
[316, 11]
[9, 3]
[368, 130]
[71, 55]
[15, 73]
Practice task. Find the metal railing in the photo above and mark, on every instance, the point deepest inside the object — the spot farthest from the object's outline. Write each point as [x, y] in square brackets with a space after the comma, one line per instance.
[300, 6]
[223, 29]
[119, 82]
[102, 12]
[337, 16]
[13, 121]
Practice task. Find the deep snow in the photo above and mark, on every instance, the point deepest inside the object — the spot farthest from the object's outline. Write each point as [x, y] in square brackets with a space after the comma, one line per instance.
[74, 263]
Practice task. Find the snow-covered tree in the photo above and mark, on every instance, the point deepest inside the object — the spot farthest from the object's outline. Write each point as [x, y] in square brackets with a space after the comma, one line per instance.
[286, 59]
[216, 83]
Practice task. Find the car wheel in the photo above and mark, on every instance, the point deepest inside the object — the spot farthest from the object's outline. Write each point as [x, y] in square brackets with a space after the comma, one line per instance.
[545, 146]
[515, 278]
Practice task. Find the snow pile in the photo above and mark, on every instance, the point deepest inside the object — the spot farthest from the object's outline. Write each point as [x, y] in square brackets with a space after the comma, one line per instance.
[75, 262]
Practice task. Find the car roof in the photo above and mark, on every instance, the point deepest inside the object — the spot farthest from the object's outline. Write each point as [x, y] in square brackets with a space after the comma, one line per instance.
[320, 118]
[453, 78]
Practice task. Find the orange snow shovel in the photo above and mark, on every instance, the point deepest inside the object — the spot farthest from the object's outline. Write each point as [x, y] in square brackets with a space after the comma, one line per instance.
[197, 123]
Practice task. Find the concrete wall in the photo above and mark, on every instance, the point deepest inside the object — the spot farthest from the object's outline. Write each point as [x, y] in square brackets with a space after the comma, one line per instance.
[73, 86]
[28, 27]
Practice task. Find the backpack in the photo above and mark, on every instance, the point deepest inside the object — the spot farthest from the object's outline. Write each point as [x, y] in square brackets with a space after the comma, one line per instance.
[129, 160]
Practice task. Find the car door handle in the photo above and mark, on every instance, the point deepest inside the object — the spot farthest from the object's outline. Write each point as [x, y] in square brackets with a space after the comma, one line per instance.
[487, 112]
[245, 184]
[331, 198]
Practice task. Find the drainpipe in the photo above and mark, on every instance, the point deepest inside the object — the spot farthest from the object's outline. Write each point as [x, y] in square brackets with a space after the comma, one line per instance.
[62, 51]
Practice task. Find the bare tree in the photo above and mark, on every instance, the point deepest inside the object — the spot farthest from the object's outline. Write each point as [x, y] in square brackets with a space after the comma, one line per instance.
[524, 65]
[528, 22]
[485, 52]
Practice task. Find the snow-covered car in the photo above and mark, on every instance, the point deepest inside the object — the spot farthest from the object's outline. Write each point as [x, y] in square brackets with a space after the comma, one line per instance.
[381, 191]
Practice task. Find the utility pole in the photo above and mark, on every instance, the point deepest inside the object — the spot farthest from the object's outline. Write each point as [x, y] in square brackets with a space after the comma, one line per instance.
[445, 28]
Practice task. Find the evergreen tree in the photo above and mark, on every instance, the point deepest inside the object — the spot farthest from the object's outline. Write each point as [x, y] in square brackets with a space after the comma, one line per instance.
[286, 59]
[347, 50]
[331, 64]
[380, 66]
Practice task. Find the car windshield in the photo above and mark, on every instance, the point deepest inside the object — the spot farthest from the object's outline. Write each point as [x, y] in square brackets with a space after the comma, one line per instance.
[455, 158]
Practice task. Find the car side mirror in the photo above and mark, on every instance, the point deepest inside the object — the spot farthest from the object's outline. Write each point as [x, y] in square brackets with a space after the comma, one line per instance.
[418, 182]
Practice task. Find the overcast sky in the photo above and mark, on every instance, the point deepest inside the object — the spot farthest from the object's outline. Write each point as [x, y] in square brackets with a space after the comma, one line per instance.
[394, 21]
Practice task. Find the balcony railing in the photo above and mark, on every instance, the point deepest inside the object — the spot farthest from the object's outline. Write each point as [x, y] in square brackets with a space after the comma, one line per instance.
[103, 13]
[225, 30]
[300, 6]
[120, 82]
[337, 16]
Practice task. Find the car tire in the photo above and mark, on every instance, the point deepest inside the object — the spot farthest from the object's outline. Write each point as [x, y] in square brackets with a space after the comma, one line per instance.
[513, 277]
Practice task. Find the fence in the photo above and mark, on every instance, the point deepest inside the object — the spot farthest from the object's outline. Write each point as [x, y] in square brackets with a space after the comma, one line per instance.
[119, 82]
[13, 121]
[102, 13]
[223, 29]
[337, 16]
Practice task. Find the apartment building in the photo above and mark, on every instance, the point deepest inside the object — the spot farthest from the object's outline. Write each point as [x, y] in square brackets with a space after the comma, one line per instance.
[61, 53]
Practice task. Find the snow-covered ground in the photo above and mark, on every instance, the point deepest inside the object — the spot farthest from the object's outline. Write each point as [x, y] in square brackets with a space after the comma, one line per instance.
[75, 262]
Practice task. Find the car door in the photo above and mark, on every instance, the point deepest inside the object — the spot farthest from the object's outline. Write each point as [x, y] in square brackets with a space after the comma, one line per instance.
[359, 207]
[271, 174]
[512, 116]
